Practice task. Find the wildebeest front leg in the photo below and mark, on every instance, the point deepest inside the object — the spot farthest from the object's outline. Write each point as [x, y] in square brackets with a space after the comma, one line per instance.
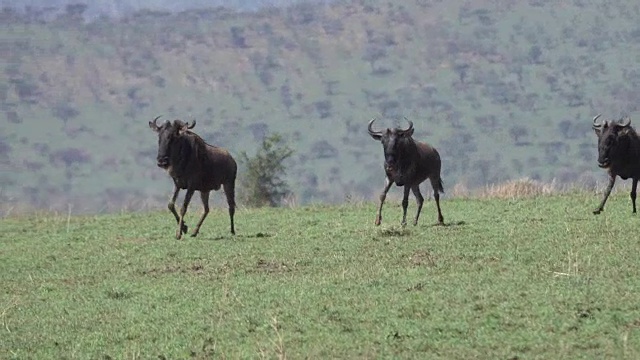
[634, 185]
[187, 198]
[405, 204]
[204, 195]
[607, 192]
[419, 201]
[383, 195]
[172, 207]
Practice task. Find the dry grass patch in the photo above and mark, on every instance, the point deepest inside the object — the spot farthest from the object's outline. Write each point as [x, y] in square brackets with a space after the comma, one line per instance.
[521, 188]
[422, 257]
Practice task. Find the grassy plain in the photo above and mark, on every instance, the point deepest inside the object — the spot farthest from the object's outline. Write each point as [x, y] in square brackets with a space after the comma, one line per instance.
[505, 279]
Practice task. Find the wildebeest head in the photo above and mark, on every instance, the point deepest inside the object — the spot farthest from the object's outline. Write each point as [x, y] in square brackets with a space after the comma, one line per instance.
[613, 141]
[169, 135]
[393, 141]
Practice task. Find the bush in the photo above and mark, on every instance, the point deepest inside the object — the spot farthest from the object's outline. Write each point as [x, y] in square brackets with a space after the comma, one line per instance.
[263, 180]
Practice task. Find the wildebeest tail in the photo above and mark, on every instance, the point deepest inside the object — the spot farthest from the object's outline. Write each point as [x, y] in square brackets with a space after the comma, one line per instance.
[440, 186]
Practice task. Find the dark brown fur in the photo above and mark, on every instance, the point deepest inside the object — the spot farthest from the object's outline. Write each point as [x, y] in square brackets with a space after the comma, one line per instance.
[619, 153]
[194, 165]
[408, 163]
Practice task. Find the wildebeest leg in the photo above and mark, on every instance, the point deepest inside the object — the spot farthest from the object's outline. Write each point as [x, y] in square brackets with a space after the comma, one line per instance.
[204, 195]
[634, 185]
[383, 195]
[612, 180]
[419, 201]
[172, 207]
[187, 198]
[405, 204]
[437, 187]
[229, 192]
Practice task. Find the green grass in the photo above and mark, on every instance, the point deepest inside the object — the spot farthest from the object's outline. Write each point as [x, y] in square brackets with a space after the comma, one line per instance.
[524, 278]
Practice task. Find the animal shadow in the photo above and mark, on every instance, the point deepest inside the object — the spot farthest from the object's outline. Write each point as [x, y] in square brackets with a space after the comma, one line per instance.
[257, 235]
[451, 224]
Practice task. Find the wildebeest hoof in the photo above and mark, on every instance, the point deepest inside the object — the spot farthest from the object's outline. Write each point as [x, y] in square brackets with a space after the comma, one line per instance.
[178, 235]
[597, 211]
[194, 234]
[378, 220]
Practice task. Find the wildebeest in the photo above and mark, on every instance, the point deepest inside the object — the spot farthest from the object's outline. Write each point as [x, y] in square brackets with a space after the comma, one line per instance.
[619, 153]
[408, 163]
[194, 165]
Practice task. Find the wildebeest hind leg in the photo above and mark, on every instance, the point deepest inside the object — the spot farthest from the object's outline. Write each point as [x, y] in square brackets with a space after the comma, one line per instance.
[419, 201]
[436, 196]
[634, 185]
[172, 207]
[607, 192]
[437, 187]
[204, 195]
[405, 204]
[183, 211]
[383, 196]
[230, 193]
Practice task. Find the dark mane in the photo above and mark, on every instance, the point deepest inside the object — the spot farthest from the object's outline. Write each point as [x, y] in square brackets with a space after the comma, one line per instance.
[197, 144]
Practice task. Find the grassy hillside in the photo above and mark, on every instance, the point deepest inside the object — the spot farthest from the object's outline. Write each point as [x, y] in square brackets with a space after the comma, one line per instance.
[323, 282]
[503, 89]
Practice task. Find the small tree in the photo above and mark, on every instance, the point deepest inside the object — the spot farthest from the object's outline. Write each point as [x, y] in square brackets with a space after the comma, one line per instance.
[517, 132]
[263, 181]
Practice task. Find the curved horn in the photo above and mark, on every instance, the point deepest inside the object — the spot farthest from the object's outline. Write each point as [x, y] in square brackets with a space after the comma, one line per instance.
[190, 126]
[370, 128]
[624, 122]
[595, 123]
[410, 125]
[156, 119]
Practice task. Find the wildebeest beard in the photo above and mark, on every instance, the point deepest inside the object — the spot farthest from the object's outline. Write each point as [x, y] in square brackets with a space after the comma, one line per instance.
[402, 167]
[399, 172]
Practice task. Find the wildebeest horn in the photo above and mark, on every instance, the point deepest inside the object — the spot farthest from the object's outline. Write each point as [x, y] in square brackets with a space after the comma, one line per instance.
[370, 128]
[595, 123]
[192, 125]
[624, 122]
[410, 125]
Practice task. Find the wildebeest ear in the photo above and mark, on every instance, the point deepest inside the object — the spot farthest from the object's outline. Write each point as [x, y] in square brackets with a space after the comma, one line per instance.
[153, 125]
[184, 128]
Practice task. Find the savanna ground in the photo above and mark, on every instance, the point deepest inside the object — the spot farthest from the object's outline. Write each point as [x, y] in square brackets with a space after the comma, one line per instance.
[518, 278]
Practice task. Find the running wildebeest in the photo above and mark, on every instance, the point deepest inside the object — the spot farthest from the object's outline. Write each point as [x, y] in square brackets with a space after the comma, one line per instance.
[408, 163]
[619, 153]
[194, 165]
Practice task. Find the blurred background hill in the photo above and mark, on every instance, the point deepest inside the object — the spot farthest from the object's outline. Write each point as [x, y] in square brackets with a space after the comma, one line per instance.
[504, 89]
